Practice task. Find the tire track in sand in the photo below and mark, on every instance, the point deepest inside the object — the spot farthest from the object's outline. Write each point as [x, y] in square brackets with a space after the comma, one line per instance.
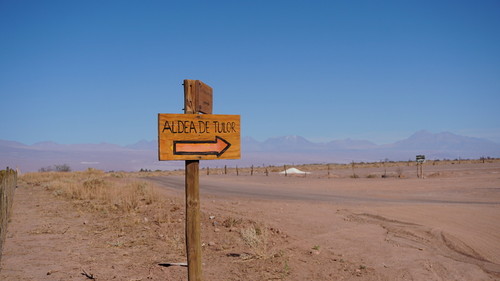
[411, 235]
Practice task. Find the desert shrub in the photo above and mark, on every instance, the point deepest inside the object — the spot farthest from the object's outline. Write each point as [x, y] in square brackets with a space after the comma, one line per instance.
[46, 169]
[132, 195]
[93, 184]
[255, 237]
[118, 175]
[56, 168]
[231, 222]
[62, 168]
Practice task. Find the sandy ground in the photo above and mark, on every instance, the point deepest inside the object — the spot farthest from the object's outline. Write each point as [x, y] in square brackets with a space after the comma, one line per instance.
[318, 227]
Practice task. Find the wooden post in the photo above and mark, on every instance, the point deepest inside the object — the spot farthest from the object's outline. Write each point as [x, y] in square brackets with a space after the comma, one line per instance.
[225, 169]
[193, 240]
[251, 171]
[284, 167]
[209, 137]
[237, 172]
[420, 170]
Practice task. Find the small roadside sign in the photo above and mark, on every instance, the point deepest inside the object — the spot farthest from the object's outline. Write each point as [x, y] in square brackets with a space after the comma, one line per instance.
[420, 163]
[198, 137]
[420, 158]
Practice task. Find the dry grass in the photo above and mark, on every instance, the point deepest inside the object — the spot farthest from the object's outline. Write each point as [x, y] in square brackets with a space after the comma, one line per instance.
[256, 237]
[96, 189]
[128, 213]
[231, 222]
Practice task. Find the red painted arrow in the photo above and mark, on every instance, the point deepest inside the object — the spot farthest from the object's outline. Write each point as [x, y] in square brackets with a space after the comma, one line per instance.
[216, 147]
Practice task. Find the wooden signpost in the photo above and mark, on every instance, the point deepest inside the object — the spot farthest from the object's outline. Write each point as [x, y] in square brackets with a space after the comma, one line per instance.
[420, 162]
[193, 137]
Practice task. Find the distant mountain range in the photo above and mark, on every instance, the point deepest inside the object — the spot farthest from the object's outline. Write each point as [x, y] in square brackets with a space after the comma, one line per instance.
[273, 151]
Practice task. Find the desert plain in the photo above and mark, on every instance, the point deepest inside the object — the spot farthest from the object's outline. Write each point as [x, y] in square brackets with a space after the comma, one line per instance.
[367, 222]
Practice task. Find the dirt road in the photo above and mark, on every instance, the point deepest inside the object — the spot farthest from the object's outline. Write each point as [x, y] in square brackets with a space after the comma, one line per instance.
[339, 191]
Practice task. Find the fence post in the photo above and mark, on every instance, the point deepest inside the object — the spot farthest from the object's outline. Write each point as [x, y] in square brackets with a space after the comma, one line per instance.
[8, 183]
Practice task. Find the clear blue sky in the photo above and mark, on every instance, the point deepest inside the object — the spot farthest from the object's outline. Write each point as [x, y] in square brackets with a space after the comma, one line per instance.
[100, 71]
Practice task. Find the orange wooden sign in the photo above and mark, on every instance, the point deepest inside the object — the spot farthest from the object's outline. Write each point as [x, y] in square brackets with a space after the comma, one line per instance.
[198, 137]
